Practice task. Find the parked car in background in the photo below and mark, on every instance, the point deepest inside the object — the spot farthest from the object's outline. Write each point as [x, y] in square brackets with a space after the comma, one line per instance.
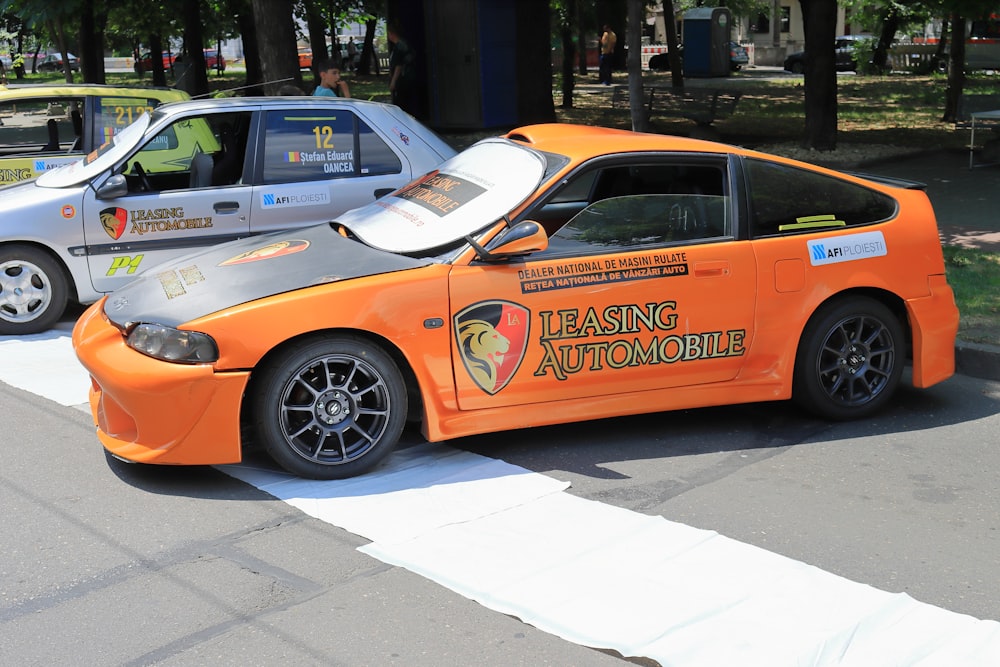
[167, 58]
[215, 60]
[843, 53]
[46, 126]
[192, 174]
[738, 56]
[53, 62]
[560, 273]
[305, 57]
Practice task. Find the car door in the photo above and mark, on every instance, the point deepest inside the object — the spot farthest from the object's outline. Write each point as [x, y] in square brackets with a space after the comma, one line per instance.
[185, 190]
[643, 287]
[318, 162]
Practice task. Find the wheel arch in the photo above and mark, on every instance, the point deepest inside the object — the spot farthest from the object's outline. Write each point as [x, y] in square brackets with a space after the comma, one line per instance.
[72, 293]
[891, 301]
[413, 393]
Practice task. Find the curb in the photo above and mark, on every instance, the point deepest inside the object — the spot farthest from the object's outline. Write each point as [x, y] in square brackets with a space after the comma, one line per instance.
[977, 360]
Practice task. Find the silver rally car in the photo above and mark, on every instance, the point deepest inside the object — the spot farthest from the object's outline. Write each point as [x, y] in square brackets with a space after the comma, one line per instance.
[194, 174]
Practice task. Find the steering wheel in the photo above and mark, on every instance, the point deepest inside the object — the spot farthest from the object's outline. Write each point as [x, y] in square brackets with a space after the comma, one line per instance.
[141, 173]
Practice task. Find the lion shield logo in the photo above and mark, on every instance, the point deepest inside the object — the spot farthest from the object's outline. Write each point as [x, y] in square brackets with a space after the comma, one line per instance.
[114, 220]
[491, 338]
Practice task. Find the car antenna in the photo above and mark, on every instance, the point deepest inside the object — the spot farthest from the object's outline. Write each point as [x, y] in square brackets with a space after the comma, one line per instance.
[229, 90]
[483, 253]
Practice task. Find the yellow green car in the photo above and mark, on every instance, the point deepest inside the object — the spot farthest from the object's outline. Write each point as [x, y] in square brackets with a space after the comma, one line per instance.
[44, 127]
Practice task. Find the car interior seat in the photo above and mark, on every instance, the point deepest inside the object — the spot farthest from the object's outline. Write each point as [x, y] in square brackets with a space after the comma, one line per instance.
[228, 163]
[77, 119]
[201, 170]
[53, 130]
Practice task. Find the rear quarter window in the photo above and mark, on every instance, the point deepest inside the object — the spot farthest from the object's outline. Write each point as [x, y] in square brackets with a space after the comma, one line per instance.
[789, 200]
[309, 145]
[39, 124]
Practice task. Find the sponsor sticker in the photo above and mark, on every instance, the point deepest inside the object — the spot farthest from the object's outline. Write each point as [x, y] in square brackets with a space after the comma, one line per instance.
[850, 248]
[270, 251]
[68, 211]
[114, 220]
[492, 337]
[303, 196]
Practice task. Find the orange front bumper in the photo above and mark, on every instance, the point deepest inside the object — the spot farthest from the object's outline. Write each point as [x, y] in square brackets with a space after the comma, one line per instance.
[152, 411]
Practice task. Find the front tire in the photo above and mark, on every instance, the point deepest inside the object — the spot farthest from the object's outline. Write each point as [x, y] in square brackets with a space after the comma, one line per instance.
[329, 408]
[850, 359]
[33, 290]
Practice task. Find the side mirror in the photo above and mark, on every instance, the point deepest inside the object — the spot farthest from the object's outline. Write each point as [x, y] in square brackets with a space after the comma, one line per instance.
[523, 238]
[116, 186]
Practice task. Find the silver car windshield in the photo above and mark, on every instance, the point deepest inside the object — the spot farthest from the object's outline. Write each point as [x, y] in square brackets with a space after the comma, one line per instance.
[98, 160]
[462, 196]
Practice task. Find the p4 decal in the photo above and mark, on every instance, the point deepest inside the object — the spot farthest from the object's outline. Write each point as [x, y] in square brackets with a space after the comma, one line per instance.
[491, 337]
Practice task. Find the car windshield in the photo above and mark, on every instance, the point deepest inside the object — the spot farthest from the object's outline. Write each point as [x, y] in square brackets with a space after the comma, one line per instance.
[463, 195]
[97, 160]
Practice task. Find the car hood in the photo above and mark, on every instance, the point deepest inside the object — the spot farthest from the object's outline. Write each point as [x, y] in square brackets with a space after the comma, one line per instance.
[242, 271]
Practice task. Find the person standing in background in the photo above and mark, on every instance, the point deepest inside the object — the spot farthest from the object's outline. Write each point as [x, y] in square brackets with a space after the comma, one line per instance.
[402, 72]
[608, 41]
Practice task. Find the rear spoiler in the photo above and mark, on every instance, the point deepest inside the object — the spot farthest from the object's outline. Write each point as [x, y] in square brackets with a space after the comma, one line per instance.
[890, 180]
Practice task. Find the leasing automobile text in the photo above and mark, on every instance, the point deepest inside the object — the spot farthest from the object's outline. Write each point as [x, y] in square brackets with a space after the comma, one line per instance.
[563, 358]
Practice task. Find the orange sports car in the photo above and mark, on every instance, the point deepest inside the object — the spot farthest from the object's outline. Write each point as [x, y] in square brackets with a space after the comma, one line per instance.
[558, 273]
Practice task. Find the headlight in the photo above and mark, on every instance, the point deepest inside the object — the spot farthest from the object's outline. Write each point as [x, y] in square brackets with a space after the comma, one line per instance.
[169, 344]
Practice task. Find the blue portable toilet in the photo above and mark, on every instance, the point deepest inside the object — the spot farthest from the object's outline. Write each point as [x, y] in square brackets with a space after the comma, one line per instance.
[706, 41]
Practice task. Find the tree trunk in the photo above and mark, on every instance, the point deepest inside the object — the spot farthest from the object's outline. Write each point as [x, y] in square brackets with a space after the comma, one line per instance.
[673, 51]
[820, 19]
[251, 52]
[956, 69]
[317, 38]
[569, 53]
[276, 38]
[633, 35]
[90, 52]
[533, 63]
[156, 60]
[193, 78]
[890, 24]
[369, 59]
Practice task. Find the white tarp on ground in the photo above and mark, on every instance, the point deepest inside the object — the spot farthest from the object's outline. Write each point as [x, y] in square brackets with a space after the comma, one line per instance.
[45, 364]
[606, 577]
[591, 573]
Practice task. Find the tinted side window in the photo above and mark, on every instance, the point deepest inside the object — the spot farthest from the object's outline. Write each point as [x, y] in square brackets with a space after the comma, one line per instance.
[637, 206]
[377, 157]
[309, 145]
[786, 200]
[39, 124]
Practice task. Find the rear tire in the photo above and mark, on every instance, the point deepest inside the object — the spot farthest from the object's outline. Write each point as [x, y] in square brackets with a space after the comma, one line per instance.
[850, 359]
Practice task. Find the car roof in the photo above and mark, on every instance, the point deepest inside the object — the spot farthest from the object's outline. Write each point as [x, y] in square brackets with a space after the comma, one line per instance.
[580, 142]
[74, 89]
[277, 101]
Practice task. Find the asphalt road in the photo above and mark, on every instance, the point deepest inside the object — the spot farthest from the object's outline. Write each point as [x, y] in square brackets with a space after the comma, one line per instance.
[110, 564]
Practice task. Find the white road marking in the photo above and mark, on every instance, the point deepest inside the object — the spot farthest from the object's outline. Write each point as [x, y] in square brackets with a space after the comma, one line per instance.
[592, 573]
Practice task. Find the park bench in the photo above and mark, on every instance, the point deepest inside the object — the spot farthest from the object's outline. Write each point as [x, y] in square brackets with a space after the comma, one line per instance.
[702, 105]
[980, 112]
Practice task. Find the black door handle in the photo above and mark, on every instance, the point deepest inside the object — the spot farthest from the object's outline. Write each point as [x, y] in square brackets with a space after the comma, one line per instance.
[227, 207]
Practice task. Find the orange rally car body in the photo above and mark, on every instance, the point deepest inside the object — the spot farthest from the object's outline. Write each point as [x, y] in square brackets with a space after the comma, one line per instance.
[654, 298]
